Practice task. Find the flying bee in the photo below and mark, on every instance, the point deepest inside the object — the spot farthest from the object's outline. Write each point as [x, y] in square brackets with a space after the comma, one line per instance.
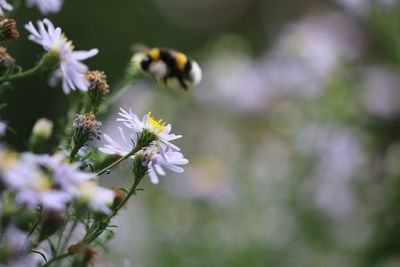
[165, 64]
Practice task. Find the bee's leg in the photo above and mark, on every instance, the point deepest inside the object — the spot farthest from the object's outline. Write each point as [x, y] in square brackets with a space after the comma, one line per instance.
[184, 87]
[165, 83]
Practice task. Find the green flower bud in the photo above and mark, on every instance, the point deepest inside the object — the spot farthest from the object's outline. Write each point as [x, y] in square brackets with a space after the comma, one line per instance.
[43, 127]
[40, 134]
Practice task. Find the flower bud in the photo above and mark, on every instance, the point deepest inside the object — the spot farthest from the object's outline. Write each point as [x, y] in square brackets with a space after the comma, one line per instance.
[86, 125]
[8, 30]
[95, 197]
[40, 134]
[5, 59]
[98, 82]
[98, 88]
[119, 195]
[134, 69]
[86, 254]
[43, 127]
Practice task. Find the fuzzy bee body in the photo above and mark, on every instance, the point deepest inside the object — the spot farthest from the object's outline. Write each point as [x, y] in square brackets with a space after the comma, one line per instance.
[165, 64]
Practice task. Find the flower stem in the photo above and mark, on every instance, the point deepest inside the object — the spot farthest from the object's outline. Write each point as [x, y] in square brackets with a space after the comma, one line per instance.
[69, 235]
[47, 61]
[61, 236]
[112, 165]
[36, 223]
[57, 258]
[103, 225]
[74, 151]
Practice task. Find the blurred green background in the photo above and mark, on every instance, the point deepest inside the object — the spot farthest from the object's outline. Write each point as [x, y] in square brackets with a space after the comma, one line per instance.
[292, 137]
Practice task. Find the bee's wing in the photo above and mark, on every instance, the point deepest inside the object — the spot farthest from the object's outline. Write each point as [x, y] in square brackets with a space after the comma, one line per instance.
[140, 48]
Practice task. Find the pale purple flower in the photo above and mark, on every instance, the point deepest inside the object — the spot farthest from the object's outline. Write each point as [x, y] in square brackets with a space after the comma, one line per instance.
[380, 91]
[121, 148]
[63, 174]
[18, 247]
[3, 128]
[12, 172]
[300, 63]
[338, 156]
[37, 192]
[363, 7]
[308, 52]
[73, 182]
[71, 70]
[97, 197]
[46, 6]
[4, 5]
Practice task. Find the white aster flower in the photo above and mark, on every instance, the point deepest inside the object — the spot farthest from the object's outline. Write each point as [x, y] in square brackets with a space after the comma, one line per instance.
[97, 197]
[46, 6]
[155, 161]
[4, 5]
[72, 71]
[121, 148]
[162, 131]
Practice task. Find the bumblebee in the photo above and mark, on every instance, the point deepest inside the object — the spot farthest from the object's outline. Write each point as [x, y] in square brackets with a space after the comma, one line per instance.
[165, 64]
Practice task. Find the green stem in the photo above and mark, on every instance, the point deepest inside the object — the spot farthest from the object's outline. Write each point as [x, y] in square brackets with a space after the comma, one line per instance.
[61, 236]
[69, 235]
[36, 223]
[47, 60]
[112, 165]
[59, 257]
[64, 138]
[103, 225]
[143, 140]
[73, 153]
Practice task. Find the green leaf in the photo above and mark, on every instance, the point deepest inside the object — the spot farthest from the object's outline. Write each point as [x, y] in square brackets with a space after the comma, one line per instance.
[52, 247]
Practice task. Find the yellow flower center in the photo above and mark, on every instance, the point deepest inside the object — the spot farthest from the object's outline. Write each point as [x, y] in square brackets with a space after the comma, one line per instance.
[159, 125]
[43, 182]
[8, 160]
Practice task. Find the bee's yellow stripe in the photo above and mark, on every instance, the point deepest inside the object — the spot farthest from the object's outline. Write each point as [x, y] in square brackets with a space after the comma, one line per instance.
[154, 54]
[180, 60]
